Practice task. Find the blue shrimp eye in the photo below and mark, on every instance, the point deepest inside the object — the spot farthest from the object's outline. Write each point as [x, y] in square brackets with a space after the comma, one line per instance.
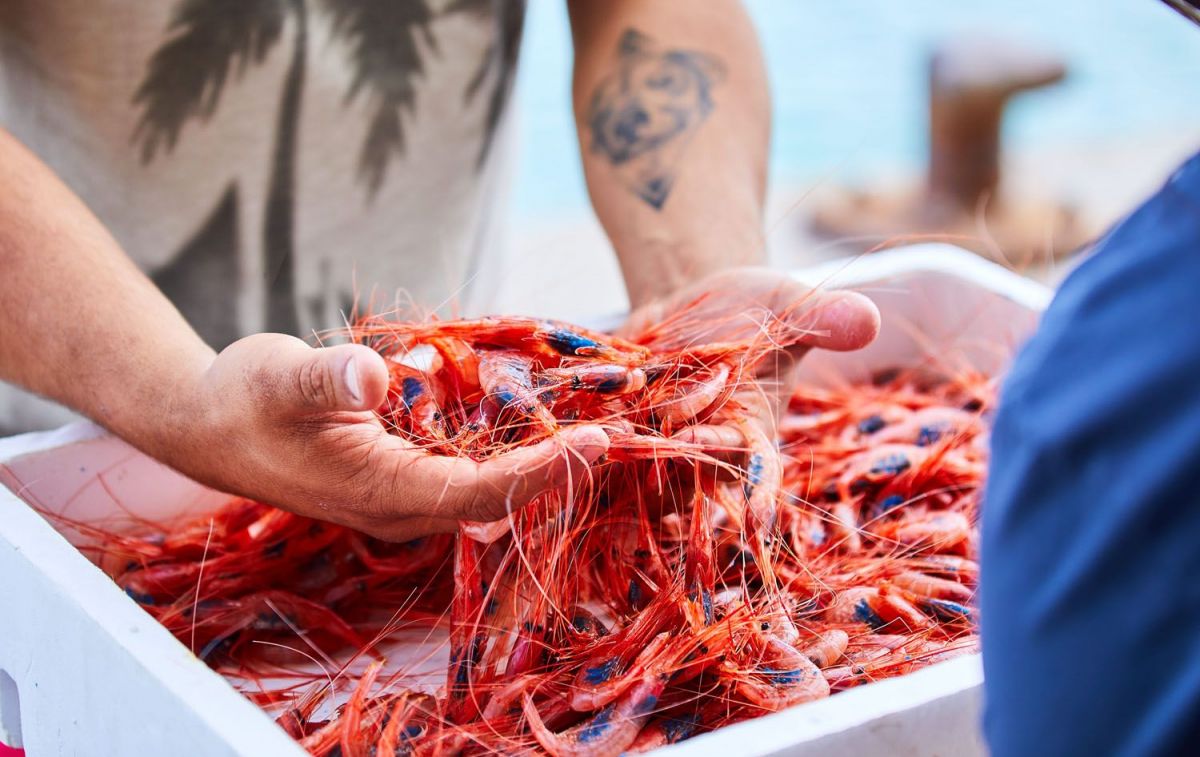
[141, 599]
[948, 611]
[930, 434]
[567, 342]
[599, 725]
[411, 389]
[871, 424]
[754, 469]
[635, 593]
[892, 464]
[754, 474]
[864, 613]
[678, 729]
[646, 705]
[887, 503]
[600, 673]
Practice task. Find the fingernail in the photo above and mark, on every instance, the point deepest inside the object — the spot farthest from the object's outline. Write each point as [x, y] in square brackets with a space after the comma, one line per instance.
[353, 385]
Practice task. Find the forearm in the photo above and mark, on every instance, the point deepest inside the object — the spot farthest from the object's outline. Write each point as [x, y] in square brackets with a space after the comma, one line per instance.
[673, 115]
[78, 322]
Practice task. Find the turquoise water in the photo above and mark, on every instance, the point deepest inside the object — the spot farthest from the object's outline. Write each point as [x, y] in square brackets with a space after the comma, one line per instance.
[848, 80]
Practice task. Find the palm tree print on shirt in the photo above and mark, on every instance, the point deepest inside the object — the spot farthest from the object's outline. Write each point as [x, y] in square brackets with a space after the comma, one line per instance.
[211, 41]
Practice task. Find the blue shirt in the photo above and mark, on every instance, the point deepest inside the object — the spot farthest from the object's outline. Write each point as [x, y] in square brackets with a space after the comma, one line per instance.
[1090, 596]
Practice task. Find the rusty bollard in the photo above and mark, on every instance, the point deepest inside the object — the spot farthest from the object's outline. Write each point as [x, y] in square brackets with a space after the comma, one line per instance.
[962, 201]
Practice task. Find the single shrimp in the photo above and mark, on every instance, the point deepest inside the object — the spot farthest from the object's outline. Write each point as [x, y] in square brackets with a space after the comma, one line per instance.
[699, 568]
[293, 719]
[879, 610]
[687, 398]
[615, 727]
[598, 685]
[783, 677]
[467, 635]
[942, 531]
[664, 732]
[876, 466]
[827, 648]
[507, 382]
[598, 378]
[352, 714]
[398, 731]
[932, 587]
[416, 394]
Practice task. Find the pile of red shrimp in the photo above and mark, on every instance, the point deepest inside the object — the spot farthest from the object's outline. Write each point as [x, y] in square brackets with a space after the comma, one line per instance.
[671, 590]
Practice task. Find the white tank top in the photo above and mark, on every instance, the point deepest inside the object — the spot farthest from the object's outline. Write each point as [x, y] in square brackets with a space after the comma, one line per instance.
[270, 162]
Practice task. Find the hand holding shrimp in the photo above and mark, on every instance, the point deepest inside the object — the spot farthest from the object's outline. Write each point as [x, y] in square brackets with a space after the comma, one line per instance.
[275, 420]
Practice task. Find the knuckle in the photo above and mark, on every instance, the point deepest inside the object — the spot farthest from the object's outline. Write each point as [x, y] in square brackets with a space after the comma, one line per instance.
[315, 384]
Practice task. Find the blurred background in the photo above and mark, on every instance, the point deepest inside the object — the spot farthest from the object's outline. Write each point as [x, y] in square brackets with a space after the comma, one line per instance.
[850, 83]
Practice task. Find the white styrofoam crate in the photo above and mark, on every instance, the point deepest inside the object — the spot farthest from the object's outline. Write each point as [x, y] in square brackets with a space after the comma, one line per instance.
[84, 670]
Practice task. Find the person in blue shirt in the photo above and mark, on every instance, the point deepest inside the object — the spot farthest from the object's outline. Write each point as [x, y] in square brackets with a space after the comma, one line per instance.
[1090, 594]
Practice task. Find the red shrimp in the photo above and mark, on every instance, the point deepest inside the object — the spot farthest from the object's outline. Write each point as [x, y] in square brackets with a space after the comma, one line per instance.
[598, 685]
[942, 531]
[783, 677]
[294, 718]
[932, 587]
[507, 382]
[688, 397]
[877, 608]
[827, 648]
[468, 637]
[275, 611]
[876, 466]
[597, 378]
[615, 727]
[418, 396]
[353, 713]
[699, 570]
[665, 731]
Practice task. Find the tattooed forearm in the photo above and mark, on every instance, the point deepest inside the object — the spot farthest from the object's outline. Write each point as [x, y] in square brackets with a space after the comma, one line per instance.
[644, 113]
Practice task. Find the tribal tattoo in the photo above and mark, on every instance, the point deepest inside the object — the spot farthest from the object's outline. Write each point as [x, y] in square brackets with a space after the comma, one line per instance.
[643, 115]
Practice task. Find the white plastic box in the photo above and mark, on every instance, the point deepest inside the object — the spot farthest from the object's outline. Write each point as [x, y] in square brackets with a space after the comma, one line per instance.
[83, 670]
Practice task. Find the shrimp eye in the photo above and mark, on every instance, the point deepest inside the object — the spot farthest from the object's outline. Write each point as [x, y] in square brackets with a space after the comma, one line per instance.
[569, 343]
[929, 435]
[890, 501]
[871, 424]
[891, 464]
[411, 388]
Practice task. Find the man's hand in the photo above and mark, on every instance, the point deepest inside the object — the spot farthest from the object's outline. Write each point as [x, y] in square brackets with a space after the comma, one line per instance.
[278, 421]
[740, 302]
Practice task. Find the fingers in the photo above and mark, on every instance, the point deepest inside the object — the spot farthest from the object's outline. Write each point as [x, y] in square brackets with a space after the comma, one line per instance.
[723, 443]
[408, 529]
[511, 481]
[430, 486]
[296, 378]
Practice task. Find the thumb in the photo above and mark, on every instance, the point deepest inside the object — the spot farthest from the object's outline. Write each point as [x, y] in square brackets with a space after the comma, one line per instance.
[838, 320]
[346, 377]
